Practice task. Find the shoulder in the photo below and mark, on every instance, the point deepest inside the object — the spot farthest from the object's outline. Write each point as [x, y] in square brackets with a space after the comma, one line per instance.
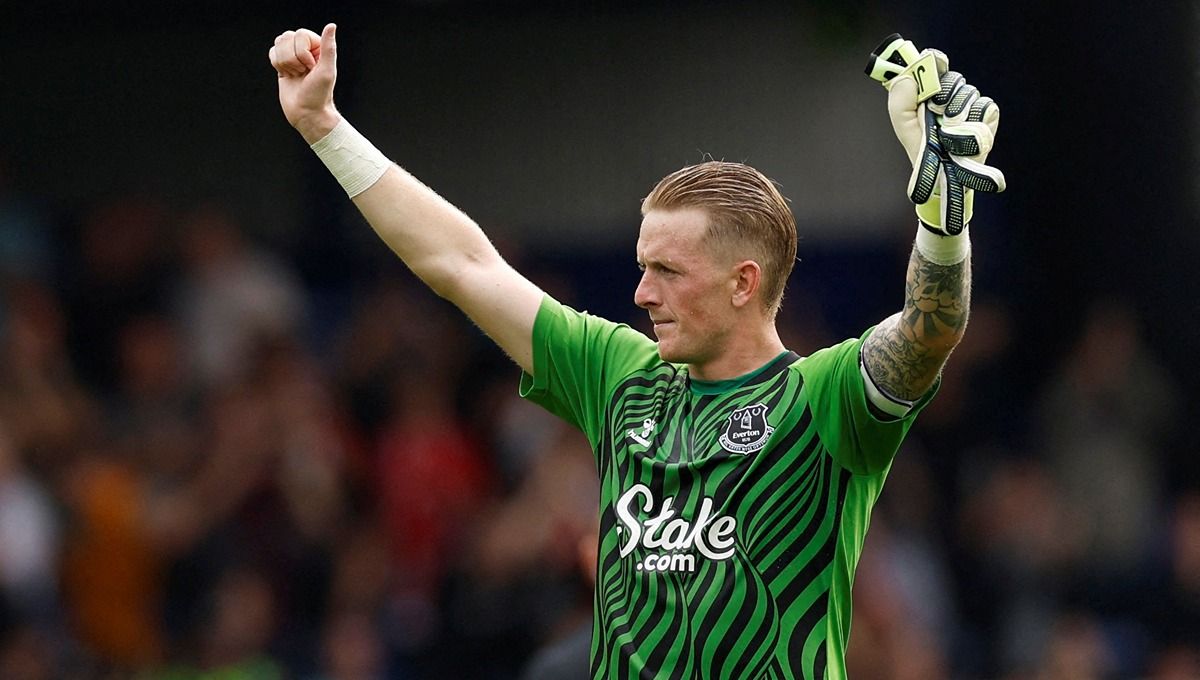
[831, 357]
[557, 321]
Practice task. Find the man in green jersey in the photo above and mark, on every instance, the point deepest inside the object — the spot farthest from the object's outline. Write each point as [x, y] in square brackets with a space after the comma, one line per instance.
[737, 478]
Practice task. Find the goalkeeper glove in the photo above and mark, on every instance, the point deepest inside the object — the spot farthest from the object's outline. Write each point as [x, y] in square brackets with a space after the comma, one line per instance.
[948, 138]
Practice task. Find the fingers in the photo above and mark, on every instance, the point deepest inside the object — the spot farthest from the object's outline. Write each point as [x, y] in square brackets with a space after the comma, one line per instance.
[972, 132]
[295, 53]
[284, 58]
[952, 84]
[304, 44]
[961, 101]
[985, 111]
[977, 176]
[967, 139]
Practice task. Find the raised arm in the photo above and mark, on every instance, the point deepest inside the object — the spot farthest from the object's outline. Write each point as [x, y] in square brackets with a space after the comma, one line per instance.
[947, 141]
[907, 350]
[437, 241]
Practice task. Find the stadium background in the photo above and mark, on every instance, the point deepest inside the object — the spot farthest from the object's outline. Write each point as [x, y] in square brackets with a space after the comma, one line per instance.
[236, 436]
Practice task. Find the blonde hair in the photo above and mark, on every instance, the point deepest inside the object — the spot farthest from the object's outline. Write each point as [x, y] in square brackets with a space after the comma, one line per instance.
[747, 217]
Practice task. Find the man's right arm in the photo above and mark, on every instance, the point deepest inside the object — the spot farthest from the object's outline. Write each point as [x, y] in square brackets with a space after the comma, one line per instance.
[440, 244]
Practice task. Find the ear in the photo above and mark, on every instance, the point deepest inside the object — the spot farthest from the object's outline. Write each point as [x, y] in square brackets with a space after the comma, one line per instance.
[747, 277]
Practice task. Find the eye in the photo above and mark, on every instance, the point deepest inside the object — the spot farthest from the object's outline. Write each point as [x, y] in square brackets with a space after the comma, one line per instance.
[658, 268]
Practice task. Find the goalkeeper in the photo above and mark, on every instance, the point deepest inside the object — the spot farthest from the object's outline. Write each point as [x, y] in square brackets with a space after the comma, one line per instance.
[737, 478]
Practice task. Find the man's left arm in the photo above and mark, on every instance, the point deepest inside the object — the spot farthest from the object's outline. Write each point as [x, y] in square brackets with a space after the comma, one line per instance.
[947, 139]
[905, 353]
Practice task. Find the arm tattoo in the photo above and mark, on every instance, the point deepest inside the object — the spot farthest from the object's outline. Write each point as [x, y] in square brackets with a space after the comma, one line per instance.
[908, 349]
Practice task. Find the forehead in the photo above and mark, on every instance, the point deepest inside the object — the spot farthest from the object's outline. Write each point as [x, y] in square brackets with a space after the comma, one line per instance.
[672, 233]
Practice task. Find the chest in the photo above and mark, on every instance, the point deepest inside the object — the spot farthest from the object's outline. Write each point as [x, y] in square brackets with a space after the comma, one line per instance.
[674, 425]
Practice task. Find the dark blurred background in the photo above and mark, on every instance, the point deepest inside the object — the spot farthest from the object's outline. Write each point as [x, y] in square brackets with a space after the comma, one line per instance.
[237, 439]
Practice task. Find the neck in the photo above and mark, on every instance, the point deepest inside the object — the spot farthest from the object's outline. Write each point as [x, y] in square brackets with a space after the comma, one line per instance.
[746, 353]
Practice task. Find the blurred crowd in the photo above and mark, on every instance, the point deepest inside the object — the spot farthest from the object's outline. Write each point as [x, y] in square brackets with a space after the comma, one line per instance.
[210, 468]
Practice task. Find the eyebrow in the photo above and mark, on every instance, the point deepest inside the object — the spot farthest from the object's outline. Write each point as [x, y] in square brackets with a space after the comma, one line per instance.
[655, 263]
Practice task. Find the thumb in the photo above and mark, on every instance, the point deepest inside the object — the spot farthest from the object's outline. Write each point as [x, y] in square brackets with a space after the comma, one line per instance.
[902, 94]
[328, 47]
[903, 111]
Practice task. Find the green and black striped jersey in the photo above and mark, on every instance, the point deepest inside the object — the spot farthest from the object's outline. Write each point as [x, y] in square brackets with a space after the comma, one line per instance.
[732, 514]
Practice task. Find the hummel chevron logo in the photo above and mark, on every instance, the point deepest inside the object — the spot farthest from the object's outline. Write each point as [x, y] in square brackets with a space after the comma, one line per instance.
[647, 428]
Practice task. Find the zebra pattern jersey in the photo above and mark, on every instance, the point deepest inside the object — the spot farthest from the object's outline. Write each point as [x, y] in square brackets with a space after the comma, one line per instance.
[732, 514]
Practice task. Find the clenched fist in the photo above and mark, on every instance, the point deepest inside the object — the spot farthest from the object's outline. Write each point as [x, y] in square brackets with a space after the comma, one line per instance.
[307, 67]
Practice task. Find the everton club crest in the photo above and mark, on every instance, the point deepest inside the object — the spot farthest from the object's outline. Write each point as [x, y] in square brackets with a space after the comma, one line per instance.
[747, 430]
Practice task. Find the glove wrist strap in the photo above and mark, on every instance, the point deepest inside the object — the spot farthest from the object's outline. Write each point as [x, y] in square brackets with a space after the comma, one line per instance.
[940, 248]
[931, 213]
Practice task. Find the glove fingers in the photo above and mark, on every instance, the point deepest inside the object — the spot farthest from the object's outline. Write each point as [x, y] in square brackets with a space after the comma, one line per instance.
[984, 112]
[982, 109]
[959, 144]
[975, 175]
[961, 100]
[967, 139]
[951, 82]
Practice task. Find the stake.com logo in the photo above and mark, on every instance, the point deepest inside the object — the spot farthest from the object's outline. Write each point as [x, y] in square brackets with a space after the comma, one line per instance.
[671, 539]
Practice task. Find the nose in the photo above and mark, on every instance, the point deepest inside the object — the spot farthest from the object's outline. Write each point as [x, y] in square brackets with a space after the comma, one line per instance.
[644, 295]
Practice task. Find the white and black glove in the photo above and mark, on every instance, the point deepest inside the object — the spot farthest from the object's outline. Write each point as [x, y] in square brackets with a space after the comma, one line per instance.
[948, 138]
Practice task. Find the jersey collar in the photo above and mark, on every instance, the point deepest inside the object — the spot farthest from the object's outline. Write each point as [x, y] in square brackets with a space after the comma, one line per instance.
[758, 375]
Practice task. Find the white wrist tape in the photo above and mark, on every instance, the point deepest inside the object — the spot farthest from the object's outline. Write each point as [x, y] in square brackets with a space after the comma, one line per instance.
[354, 161]
[943, 250]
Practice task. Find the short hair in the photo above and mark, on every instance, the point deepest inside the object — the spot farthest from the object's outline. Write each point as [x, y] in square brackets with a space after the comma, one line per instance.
[747, 214]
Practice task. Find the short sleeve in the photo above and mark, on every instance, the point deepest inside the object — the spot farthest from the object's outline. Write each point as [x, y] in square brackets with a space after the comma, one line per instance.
[578, 361]
[856, 437]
